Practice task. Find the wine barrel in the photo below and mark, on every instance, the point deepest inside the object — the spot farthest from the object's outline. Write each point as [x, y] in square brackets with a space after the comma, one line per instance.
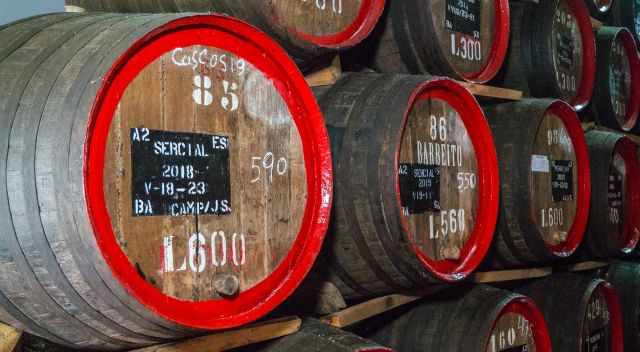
[305, 28]
[552, 51]
[315, 336]
[614, 219]
[625, 13]
[483, 319]
[466, 40]
[545, 182]
[599, 8]
[616, 100]
[582, 313]
[146, 190]
[625, 277]
[416, 183]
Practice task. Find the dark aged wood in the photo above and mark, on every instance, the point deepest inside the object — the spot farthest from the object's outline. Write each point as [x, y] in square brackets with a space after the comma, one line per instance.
[625, 14]
[616, 99]
[534, 226]
[614, 226]
[54, 280]
[583, 313]
[478, 320]
[625, 277]
[375, 244]
[551, 51]
[316, 336]
[421, 36]
[290, 21]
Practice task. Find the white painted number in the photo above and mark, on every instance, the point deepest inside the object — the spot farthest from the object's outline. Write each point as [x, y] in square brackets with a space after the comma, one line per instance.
[268, 164]
[451, 222]
[196, 258]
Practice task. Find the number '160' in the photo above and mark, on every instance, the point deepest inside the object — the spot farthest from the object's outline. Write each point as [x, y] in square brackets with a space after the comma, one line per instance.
[222, 250]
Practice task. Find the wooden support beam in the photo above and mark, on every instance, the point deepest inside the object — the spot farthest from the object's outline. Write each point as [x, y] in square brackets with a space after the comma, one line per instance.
[9, 338]
[229, 339]
[585, 266]
[72, 8]
[367, 310]
[327, 76]
[493, 92]
[512, 275]
[595, 24]
[588, 126]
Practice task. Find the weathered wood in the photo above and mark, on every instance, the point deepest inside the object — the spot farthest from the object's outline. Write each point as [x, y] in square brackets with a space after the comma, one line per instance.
[625, 277]
[306, 28]
[585, 266]
[552, 51]
[406, 215]
[136, 185]
[493, 92]
[614, 221]
[9, 338]
[511, 275]
[583, 313]
[545, 182]
[366, 310]
[479, 319]
[616, 99]
[230, 339]
[326, 76]
[467, 41]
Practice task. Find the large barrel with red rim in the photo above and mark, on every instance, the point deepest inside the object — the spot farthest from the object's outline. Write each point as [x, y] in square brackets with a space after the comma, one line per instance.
[306, 28]
[625, 13]
[483, 319]
[545, 182]
[583, 313]
[465, 39]
[614, 221]
[552, 51]
[417, 183]
[625, 277]
[616, 99]
[160, 173]
[315, 336]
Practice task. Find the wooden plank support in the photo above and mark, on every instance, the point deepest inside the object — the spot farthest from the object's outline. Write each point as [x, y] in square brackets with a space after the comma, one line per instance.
[512, 275]
[9, 338]
[595, 24]
[72, 8]
[585, 266]
[229, 339]
[326, 76]
[493, 92]
[367, 310]
[588, 126]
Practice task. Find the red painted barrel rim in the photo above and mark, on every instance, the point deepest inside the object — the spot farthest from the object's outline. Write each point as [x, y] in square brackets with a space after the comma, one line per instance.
[359, 30]
[498, 53]
[477, 127]
[615, 313]
[631, 231]
[525, 307]
[631, 50]
[583, 96]
[583, 188]
[268, 57]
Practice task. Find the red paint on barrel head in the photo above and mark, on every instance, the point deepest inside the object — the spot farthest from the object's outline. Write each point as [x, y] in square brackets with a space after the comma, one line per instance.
[525, 307]
[243, 40]
[613, 303]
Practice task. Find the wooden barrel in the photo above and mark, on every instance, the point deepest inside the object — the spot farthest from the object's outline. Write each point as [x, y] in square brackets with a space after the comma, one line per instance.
[483, 319]
[160, 173]
[552, 51]
[306, 28]
[614, 219]
[625, 277]
[545, 182]
[466, 40]
[416, 183]
[616, 99]
[582, 313]
[625, 13]
[315, 336]
[599, 8]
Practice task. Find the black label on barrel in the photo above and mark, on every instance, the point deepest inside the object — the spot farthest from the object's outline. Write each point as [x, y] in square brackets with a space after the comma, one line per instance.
[566, 49]
[523, 348]
[596, 342]
[562, 180]
[614, 195]
[463, 16]
[419, 188]
[179, 174]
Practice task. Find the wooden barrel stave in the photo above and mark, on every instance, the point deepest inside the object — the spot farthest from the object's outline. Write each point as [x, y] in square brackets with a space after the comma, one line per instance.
[532, 53]
[617, 106]
[607, 236]
[518, 129]
[624, 276]
[466, 321]
[570, 314]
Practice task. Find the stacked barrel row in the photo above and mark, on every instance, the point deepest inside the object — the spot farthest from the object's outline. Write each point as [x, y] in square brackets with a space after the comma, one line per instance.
[172, 173]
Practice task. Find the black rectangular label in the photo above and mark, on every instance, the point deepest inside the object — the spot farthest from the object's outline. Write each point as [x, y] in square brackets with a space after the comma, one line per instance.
[419, 188]
[523, 348]
[615, 189]
[463, 16]
[596, 342]
[562, 180]
[178, 174]
[566, 49]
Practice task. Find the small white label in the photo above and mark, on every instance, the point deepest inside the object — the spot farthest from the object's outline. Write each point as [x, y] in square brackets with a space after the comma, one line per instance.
[540, 163]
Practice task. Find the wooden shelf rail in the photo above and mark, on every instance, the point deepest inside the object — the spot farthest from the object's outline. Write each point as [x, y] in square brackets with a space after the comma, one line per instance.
[368, 309]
